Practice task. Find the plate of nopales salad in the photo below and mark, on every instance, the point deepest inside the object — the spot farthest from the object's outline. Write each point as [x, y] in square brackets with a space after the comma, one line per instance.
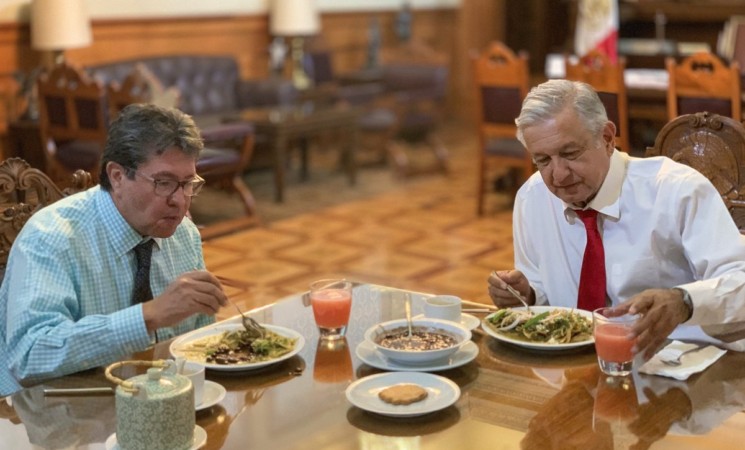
[541, 327]
[229, 347]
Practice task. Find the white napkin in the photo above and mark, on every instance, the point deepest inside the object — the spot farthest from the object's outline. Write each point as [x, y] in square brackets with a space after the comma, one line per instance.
[693, 362]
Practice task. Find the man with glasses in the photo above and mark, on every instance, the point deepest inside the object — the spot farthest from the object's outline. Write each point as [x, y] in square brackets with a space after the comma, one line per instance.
[658, 238]
[107, 272]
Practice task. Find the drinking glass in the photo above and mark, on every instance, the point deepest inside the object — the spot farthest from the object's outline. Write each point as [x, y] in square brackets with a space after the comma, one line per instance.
[612, 344]
[331, 301]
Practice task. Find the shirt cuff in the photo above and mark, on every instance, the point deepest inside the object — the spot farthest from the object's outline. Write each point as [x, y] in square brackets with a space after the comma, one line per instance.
[128, 329]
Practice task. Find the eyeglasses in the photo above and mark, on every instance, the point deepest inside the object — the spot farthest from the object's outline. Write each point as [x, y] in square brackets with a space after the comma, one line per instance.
[166, 188]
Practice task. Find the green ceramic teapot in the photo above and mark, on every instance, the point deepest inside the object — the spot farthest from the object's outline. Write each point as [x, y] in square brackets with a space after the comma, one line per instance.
[154, 410]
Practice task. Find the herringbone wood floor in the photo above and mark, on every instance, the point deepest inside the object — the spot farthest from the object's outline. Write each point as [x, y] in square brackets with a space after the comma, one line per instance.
[421, 234]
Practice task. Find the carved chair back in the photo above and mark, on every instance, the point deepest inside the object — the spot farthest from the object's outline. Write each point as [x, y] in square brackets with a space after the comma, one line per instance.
[702, 82]
[23, 191]
[73, 120]
[597, 70]
[415, 77]
[715, 146]
[501, 78]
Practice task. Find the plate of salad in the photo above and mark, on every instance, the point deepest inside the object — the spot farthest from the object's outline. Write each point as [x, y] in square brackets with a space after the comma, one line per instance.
[541, 327]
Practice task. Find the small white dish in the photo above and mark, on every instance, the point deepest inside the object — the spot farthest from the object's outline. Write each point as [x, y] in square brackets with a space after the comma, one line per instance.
[467, 320]
[198, 441]
[441, 393]
[466, 353]
[214, 393]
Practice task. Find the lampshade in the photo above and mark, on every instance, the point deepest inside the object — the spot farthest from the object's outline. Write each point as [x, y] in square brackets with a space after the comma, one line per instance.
[59, 24]
[294, 18]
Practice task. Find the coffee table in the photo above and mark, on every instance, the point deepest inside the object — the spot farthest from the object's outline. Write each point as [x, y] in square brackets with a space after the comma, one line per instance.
[281, 125]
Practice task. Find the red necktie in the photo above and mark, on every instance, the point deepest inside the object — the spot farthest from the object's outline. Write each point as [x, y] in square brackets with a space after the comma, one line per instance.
[592, 278]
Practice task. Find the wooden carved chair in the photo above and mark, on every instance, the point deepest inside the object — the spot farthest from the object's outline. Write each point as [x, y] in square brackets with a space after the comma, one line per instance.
[73, 121]
[715, 146]
[702, 82]
[415, 78]
[501, 79]
[228, 147]
[597, 70]
[377, 118]
[23, 191]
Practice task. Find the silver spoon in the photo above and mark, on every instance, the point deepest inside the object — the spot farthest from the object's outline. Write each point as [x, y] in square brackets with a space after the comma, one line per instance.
[514, 292]
[407, 307]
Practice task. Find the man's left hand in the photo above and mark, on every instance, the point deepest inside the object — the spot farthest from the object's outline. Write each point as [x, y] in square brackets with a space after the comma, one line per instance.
[661, 310]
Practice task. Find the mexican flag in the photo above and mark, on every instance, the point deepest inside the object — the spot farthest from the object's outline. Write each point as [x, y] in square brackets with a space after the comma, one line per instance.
[597, 27]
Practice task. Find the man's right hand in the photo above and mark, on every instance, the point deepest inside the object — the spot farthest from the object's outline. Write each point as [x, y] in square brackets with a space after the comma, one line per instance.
[191, 293]
[498, 281]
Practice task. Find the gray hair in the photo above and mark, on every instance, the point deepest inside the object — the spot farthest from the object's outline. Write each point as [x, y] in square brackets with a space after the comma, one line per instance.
[142, 131]
[548, 99]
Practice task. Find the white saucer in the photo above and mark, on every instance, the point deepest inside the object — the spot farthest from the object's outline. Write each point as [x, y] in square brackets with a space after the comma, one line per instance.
[198, 441]
[467, 320]
[441, 393]
[214, 393]
[367, 353]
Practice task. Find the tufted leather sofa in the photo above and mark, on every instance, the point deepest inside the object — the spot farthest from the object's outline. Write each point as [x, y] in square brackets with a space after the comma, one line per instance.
[210, 86]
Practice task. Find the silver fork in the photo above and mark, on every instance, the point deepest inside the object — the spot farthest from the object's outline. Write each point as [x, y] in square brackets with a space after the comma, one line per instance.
[514, 293]
[254, 329]
[677, 360]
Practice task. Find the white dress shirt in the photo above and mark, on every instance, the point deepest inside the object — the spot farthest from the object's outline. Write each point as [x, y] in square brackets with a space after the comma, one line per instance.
[663, 225]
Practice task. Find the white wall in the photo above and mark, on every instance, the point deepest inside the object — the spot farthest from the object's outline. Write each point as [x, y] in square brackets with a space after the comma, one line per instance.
[16, 10]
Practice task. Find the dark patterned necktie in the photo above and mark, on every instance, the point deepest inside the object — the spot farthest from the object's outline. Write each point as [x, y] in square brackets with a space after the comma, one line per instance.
[141, 291]
[592, 278]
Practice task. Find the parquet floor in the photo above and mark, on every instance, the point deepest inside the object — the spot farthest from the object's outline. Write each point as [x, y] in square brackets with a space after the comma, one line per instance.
[422, 235]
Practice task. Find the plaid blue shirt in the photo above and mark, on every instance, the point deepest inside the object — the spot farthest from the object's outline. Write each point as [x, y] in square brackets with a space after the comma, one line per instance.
[65, 301]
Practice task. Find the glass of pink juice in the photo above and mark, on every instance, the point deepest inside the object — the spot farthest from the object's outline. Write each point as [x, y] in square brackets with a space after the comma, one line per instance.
[331, 301]
[612, 344]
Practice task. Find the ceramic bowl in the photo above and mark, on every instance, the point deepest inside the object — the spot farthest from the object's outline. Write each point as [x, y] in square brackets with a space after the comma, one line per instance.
[418, 357]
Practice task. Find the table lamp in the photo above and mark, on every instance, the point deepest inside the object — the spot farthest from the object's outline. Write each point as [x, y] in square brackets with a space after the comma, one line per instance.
[295, 19]
[57, 26]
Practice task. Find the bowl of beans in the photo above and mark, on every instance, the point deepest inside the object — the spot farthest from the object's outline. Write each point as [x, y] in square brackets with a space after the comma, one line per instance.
[430, 340]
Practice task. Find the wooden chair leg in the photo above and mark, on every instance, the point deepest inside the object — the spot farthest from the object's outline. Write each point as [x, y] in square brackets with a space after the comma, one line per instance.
[481, 188]
[441, 152]
[249, 203]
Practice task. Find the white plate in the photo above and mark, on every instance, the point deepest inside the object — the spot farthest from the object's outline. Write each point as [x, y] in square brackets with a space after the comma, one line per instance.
[467, 320]
[441, 393]
[214, 393]
[186, 339]
[465, 354]
[539, 345]
[198, 441]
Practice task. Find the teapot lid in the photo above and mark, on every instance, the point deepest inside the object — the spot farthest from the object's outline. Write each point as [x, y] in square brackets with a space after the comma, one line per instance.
[157, 383]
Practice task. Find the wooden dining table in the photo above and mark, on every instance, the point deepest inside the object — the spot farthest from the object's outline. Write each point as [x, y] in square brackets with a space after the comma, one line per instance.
[511, 398]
